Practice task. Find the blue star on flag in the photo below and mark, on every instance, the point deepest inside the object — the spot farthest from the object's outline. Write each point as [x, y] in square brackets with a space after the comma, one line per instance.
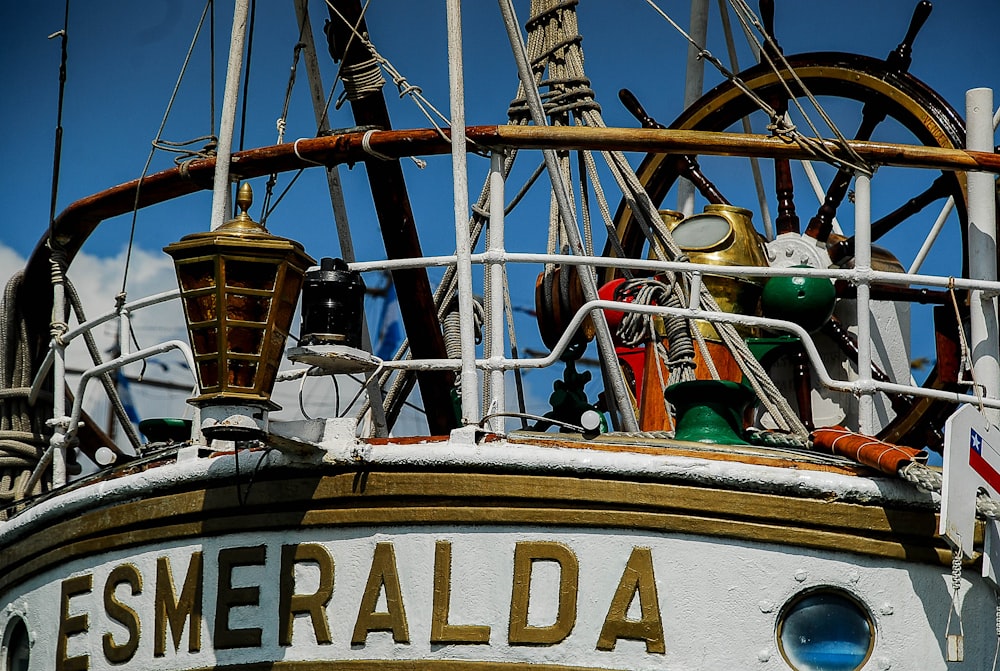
[975, 441]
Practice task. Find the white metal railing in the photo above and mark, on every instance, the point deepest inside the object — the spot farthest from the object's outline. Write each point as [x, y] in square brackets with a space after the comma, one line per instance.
[496, 260]
[66, 426]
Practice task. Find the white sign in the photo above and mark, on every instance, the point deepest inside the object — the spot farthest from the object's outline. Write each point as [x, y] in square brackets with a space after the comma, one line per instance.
[971, 462]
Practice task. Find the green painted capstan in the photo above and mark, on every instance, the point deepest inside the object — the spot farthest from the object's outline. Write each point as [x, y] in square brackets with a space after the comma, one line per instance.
[709, 411]
[806, 301]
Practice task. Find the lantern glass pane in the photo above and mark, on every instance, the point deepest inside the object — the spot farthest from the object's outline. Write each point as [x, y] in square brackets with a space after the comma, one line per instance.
[205, 340]
[196, 274]
[245, 340]
[248, 308]
[208, 371]
[250, 274]
[242, 373]
[200, 308]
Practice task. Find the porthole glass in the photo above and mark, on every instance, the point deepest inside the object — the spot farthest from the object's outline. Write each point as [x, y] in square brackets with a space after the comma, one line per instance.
[825, 630]
[16, 647]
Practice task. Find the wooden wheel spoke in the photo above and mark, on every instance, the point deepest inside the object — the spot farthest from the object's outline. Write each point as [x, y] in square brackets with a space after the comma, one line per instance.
[686, 166]
[872, 114]
[941, 188]
[787, 221]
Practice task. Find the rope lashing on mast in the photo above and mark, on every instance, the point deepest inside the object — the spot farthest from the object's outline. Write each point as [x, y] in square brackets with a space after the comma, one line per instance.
[360, 79]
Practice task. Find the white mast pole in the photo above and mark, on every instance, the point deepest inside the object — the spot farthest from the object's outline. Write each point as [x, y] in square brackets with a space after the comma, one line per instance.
[463, 248]
[983, 331]
[220, 188]
[495, 245]
[694, 83]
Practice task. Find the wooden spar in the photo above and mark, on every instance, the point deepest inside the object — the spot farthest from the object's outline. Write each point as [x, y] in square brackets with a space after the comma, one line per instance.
[75, 224]
[712, 143]
[78, 220]
[395, 218]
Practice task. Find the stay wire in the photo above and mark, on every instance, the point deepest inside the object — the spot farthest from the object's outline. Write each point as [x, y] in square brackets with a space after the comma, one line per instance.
[782, 127]
[120, 298]
[246, 72]
[211, 68]
[272, 179]
[57, 149]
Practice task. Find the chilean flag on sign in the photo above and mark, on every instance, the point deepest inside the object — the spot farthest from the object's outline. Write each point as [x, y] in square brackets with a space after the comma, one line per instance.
[985, 470]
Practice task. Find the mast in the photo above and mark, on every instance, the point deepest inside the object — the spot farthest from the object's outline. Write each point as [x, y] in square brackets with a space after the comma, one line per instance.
[395, 218]
[220, 190]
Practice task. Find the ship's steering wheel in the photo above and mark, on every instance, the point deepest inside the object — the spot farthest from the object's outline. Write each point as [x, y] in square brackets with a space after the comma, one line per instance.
[880, 88]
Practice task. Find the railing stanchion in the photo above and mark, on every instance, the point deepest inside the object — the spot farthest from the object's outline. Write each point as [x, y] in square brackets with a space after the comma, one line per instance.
[495, 277]
[863, 267]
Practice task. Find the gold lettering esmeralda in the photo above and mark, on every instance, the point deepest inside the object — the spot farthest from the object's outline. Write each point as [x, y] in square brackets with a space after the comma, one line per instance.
[175, 611]
[526, 553]
[637, 579]
[229, 597]
[70, 625]
[114, 652]
[291, 604]
[441, 630]
[383, 574]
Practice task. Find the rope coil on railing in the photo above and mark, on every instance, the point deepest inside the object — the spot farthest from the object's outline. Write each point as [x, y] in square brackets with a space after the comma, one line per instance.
[23, 436]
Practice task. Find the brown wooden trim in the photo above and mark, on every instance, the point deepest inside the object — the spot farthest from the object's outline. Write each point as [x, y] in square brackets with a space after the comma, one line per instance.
[758, 456]
[390, 498]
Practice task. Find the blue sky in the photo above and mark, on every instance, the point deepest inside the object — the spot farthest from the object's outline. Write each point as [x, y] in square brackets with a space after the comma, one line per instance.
[125, 56]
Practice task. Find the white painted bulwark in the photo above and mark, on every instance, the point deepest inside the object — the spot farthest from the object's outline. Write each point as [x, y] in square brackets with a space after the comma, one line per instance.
[714, 604]
[175, 568]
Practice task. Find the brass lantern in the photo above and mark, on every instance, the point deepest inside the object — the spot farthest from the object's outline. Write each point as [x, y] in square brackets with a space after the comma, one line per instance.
[239, 287]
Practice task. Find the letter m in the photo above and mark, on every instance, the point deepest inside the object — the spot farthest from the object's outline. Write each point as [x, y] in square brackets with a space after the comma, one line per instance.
[173, 610]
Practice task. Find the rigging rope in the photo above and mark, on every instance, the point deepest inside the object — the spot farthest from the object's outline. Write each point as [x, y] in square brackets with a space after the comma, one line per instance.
[360, 80]
[280, 123]
[553, 43]
[155, 145]
[779, 123]
[23, 434]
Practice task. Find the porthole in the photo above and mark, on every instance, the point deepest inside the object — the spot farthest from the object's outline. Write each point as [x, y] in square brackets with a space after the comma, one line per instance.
[16, 646]
[825, 630]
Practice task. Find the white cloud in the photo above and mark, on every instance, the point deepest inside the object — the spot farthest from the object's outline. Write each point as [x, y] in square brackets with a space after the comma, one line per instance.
[10, 263]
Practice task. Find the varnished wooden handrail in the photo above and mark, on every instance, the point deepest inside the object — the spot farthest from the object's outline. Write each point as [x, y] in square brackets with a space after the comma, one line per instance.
[75, 224]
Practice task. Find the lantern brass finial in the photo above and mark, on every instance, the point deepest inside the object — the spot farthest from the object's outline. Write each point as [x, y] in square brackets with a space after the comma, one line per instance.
[244, 199]
[243, 223]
